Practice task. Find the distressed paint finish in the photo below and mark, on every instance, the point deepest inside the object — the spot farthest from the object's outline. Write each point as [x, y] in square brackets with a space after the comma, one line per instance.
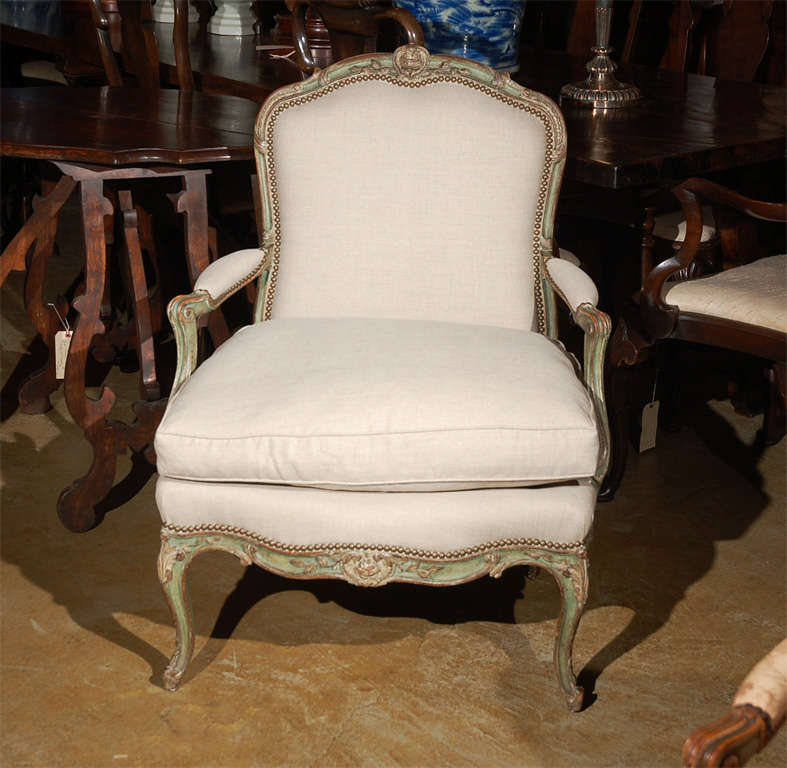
[597, 326]
[371, 567]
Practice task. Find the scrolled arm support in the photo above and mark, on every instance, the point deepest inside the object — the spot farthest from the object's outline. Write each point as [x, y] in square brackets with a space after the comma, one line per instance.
[660, 318]
[183, 313]
[597, 326]
[217, 283]
[579, 292]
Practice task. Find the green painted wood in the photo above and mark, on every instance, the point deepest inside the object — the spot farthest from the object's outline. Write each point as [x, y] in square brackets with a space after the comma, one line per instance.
[371, 567]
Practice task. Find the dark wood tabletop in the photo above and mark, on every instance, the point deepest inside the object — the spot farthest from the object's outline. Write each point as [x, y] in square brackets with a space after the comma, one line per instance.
[685, 125]
[120, 126]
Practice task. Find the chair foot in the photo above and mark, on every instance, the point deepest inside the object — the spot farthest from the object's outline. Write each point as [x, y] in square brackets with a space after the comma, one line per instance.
[172, 674]
[575, 698]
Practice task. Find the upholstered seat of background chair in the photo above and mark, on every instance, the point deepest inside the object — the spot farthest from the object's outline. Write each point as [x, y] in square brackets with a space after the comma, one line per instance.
[755, 294]
[401, 409]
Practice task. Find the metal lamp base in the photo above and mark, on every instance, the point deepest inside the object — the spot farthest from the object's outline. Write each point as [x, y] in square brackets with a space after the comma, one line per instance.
[608, 98]
[601, 89]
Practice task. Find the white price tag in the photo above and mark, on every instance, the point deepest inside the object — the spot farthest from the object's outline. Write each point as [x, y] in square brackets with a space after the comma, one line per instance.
[650, 425]
[62, 343]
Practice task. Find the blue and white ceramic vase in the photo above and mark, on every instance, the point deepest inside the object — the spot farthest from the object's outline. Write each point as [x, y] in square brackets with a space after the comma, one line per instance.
[484, 30]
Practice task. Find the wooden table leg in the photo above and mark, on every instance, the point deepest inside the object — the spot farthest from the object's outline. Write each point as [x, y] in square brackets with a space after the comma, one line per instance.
[76, 503]
[149, 385]
[38, 233]
[193, 203]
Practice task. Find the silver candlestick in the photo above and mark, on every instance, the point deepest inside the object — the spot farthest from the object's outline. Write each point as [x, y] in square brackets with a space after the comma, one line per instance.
[601, 89]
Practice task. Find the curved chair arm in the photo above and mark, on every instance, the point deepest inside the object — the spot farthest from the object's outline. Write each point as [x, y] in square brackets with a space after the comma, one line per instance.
[580, 294]
[572, 283]
[658, 317]
[229, 273]
[218, 282]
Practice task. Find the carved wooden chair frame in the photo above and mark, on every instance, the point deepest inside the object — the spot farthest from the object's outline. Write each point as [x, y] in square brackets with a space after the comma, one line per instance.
[661, 320]
[411, 66]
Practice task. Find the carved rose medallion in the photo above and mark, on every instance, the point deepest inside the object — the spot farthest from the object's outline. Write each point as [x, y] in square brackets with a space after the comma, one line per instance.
[410, 60]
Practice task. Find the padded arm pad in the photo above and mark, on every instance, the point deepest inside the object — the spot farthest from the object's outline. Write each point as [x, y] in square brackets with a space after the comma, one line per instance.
[573, 285]
[225, 275]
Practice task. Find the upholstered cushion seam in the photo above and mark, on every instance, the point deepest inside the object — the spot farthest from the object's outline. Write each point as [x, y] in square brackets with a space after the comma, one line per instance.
[436, 431]
[562, 476]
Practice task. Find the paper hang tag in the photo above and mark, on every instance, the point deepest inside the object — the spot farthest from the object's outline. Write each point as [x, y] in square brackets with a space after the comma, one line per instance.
[650, 425]
[62, 344]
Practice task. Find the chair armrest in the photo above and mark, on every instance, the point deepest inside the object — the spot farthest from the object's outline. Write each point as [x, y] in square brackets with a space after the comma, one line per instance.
[217, 282]
[571, 283]
[226, 275]
[659, 318]
[580, 294]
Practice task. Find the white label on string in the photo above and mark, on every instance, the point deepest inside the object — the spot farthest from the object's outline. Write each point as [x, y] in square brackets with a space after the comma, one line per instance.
[650, 425]
[62, 343]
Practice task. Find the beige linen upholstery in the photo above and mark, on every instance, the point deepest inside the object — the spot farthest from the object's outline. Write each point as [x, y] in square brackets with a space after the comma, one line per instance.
[754, 293]
[766, 685]
[389, 220]
[442, 521]
[399, 411]
[230, 271]
[367, 404]
[672, 226]
[572, 283]
[569, 256]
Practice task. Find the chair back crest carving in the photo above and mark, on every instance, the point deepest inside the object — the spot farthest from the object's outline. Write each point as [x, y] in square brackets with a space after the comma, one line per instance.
[438, 150]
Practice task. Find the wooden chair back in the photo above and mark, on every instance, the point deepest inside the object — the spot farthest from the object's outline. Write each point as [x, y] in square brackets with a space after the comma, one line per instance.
[354, 26]
[128, 47]
[728, 41]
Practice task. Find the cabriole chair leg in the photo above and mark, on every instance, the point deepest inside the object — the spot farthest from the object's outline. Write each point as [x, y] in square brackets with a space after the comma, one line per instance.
[573, 582]
[173, 563]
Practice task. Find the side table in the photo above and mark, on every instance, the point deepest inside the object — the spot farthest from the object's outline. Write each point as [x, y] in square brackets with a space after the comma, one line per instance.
[96, 135]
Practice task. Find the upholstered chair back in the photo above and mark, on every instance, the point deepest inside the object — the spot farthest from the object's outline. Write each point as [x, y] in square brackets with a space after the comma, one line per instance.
[409, 187]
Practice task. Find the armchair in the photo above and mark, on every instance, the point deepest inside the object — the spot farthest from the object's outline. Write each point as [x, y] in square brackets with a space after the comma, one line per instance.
[400, 410]
[742, 308]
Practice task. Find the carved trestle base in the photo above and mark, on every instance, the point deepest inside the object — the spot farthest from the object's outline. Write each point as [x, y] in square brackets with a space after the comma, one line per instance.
[373, 567]
[31, 249]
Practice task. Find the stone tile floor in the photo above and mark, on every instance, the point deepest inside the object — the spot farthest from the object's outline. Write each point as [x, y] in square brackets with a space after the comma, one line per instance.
[687, 593]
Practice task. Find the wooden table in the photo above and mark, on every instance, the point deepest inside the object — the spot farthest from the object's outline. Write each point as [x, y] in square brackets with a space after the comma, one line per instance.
[96, 135]
[685, 125]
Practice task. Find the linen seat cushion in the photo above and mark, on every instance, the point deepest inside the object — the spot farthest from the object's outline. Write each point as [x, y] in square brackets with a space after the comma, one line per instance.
[753, 293]
[380, 404]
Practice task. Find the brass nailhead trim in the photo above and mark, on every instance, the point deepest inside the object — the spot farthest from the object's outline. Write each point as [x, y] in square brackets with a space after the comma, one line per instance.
[538, 275]
[577, 547]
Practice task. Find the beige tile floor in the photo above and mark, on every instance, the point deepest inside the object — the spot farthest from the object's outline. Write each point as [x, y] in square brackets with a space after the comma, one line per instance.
[688, 592]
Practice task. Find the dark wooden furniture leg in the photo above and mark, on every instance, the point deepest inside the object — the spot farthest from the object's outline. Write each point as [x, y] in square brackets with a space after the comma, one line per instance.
[35, 390]
[730, 741]
[192, 202]
[775, 422]
[38, 233]
[149, 385]
[76, 503]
